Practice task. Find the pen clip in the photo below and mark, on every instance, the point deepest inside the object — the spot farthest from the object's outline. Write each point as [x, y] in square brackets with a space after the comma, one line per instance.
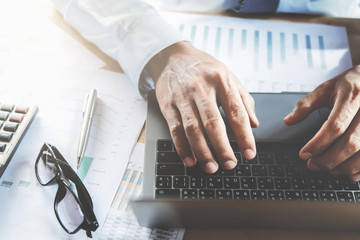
[85, 105]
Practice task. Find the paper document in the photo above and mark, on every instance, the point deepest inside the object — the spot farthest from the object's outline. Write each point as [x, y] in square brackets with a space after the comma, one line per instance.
[60, 94]
[269, 56]
[120, 222]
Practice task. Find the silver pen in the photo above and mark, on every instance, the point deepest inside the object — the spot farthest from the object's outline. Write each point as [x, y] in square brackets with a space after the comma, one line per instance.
[88, 113]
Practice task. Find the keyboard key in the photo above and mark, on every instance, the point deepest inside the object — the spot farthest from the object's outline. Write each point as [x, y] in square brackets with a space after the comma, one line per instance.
[1, 124]
[167, 193]
[4, 115]
[297, 160]
[214, 182]
[241, 194]
[276, 195]
[197, 182]
[328, 196]
[231, 182]
[189, 194]
[310, 196]
[164, 145]
[357, 196]
[282, 183]
[282, 158]
[293, 171]
[168, 157]
[194, 171]
[243, 170]
[224, 194]
[258, 195]
[163, 181]
[345, 197]
[265, 183]
[251, 161]
[224, 172]
[266, 158]
[7, 107]
[259, 170]
[293, 195]
[170, 169]
[238, 157]
[350, 185]
[248, 183]
[333, 184]
[2, 147]
[5, 136]
[234, 146]
[181, 182]
[16, 117]
[316, 184]
[299, 183]
[207, 194]
[20, 109]
[11, 127]
[276, 171]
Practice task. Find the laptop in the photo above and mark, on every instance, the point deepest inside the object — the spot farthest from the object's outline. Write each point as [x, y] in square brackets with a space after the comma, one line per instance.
[273, 191]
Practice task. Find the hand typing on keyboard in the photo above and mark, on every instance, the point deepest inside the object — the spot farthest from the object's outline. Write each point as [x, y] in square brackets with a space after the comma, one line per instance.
[189, 86]
[336, 145]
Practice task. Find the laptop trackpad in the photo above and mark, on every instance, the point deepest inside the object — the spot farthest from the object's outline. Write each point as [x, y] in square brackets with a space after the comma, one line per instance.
[271, 108]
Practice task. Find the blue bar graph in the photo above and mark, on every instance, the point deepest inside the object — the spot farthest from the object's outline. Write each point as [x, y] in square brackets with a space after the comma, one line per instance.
[256, 50]
[295, 43]
[193, 33]
[322, 52]
[282, 48]
[308, 51]
[231, 42]
[243, 39]
[218, 41]
[206, 37]
[269, 49]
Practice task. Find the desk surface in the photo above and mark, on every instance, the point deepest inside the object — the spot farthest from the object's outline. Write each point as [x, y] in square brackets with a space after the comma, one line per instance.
[353, 29]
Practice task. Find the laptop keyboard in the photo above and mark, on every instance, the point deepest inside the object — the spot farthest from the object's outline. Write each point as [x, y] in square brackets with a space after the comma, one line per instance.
[276, 173]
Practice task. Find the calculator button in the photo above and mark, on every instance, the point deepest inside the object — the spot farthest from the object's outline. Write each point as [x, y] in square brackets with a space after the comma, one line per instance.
[22, 110]
[7, 107]
[16, 117]
[5, 136]
[2, 147]
[4, 115]
[11, 127]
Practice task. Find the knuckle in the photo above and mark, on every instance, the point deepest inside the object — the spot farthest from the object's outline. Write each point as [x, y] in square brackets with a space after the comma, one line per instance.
[357, 69]
[235, 114]
[353, 144]
[328, 166]
[303, 104]
[211, 123]
[192, 127]
[175, 128]
[337, 127]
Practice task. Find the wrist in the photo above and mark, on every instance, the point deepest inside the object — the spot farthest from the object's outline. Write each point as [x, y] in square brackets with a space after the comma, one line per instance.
[157, 63]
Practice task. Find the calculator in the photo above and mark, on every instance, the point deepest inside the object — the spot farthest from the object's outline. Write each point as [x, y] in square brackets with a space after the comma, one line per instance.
[14, 121]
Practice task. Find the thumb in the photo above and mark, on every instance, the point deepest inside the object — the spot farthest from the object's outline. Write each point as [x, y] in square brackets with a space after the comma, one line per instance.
[305, 106]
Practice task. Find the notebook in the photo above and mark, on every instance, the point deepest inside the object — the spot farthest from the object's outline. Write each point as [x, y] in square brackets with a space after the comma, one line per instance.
[276, 184]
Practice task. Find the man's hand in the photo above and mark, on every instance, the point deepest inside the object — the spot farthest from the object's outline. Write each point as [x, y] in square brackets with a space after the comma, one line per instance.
[190, 86]
[335, 147]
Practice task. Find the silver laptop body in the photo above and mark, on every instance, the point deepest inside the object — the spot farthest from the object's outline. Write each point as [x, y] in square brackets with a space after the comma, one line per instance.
[271, 108]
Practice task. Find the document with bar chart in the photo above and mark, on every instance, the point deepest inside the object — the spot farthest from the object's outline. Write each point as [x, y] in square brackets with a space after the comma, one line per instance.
[269, 56]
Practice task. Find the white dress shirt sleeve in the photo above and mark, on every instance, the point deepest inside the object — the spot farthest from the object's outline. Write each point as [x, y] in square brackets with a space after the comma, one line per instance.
[130, 31]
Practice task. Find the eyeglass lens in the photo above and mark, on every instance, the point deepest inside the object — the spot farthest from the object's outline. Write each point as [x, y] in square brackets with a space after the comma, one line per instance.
[46, 168]
[69, 212]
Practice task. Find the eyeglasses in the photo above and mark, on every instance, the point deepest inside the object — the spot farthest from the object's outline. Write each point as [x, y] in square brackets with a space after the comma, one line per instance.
[73, 205]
